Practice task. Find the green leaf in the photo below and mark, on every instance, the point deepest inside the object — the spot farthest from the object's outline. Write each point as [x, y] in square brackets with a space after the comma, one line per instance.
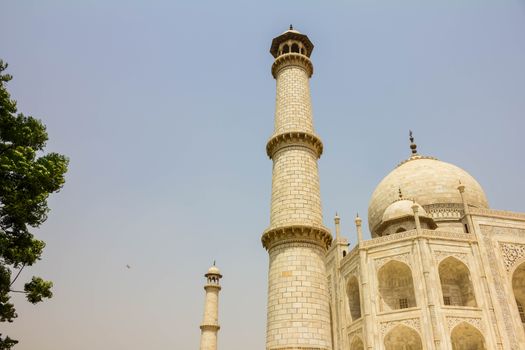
[38, 289]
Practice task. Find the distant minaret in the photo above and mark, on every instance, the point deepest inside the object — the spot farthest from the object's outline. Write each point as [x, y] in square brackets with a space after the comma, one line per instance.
[298, 300]
[210, 323]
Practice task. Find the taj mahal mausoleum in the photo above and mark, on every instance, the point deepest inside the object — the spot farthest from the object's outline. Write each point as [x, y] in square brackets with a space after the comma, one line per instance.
[442, 270]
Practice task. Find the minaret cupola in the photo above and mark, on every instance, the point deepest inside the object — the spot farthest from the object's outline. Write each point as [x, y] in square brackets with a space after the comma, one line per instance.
[291, 41]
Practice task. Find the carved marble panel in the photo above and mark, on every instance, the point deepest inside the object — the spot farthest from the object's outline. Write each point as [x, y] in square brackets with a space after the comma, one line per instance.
[512, 253]
[414, 323]
[441, 255]
[453, 321]
[400, 257]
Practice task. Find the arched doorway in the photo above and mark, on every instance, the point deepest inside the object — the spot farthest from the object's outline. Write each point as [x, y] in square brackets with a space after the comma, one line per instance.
[354, 300]
[403, 338]
[357, 344]
[396, 286]
[518, 287]
[466, 337]
[456, 284]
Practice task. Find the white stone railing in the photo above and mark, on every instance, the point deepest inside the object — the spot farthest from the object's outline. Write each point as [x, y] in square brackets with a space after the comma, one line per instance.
[412, 234]
[504, 214]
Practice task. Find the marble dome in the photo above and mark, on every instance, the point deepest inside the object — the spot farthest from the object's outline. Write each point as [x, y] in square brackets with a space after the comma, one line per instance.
[402, 208]
[214, 270]
[427, 181]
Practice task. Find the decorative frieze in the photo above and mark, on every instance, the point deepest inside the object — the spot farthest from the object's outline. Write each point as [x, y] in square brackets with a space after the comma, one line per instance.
[445, 211]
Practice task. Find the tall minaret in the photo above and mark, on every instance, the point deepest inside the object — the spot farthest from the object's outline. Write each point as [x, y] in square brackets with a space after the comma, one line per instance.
[297, 241]
[210, 323]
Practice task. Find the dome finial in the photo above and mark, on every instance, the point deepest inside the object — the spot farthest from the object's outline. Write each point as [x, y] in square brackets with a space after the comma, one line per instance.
[291, 27]
[413, 146]
[400, 193]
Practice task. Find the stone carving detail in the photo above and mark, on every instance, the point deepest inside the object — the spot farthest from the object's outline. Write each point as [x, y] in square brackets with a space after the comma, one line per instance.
[454, 321]
[502, 298]
[511, 253]
[415, 323]
[441, 255]
[401, 257]
[444, 211]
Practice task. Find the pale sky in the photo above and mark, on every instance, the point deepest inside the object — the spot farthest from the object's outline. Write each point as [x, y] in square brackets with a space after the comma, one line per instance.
[165, 107]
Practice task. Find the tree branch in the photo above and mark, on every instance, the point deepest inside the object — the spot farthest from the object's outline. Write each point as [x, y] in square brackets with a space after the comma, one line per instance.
[18, 274]
[18, 291]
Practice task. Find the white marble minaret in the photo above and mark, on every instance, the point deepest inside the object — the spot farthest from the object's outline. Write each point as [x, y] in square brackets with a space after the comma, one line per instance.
[298, 301]
[210, 322]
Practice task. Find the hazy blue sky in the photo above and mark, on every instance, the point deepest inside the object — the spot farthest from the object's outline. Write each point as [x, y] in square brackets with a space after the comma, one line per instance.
[165, 107]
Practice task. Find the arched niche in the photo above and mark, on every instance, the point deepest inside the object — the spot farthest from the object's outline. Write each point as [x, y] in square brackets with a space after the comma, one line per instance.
[396, 286]
[403, 338]
[357, 344]
[354, 300]
[518, 287]
[456, 284]
[466, 337]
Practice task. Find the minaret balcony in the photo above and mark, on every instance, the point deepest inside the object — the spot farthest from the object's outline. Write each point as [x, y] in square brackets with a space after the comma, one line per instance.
[292, 59]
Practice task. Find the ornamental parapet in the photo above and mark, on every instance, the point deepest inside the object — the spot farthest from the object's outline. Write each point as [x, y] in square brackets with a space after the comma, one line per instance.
[294, 138]
[502, 214]
[292, 59]
[319, 236]
[210, 327]
[412, 234]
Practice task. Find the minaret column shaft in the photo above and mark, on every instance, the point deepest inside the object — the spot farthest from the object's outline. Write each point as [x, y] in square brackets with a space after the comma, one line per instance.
[210, 320]
[293, 107]
[295, 188]
[298, 300]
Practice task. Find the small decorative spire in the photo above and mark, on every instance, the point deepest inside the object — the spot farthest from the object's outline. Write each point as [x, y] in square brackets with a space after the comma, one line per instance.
[291, 27]
[213, 262]
[337, 221]
[413, 146]
[400, 193]
[358, 222]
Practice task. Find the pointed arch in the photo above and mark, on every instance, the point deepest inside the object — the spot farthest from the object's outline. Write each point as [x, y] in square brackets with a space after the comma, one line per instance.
[466, 336]
[396, 286]
[356, 343]
[354, 298]
[403, 337]
[456, 284]
[518, 287]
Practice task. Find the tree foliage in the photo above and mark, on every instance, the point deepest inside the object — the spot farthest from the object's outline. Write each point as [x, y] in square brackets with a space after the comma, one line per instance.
[27, 178]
